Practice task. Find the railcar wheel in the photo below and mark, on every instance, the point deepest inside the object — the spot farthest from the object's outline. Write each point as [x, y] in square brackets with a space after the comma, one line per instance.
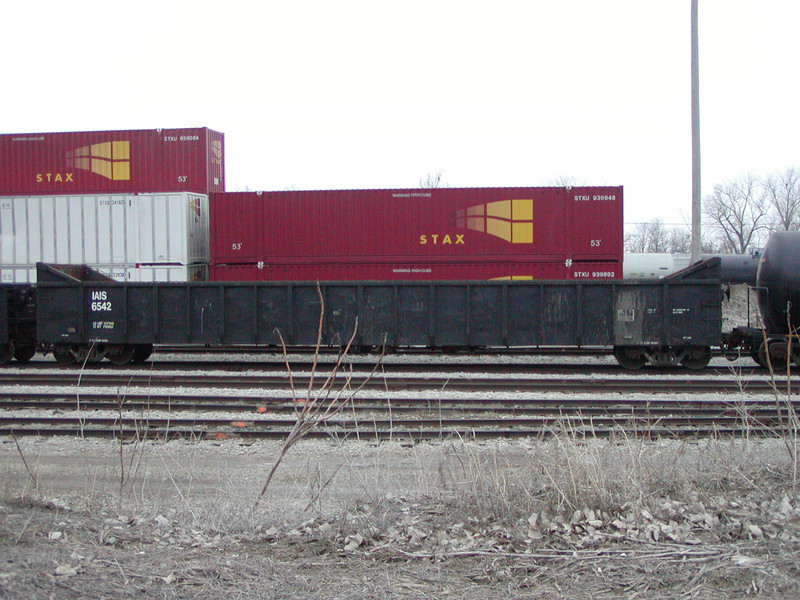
[24, 353]
[6, 352]
[141, 352]
[755, 354]
[122, 355]
[63, 355]
[778, 353]
[697, 358]
[630, 358]
[762, 355]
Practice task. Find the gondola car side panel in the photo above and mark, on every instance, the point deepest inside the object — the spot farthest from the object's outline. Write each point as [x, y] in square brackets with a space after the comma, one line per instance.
[4, 316]
[60, 314]
[452, 315]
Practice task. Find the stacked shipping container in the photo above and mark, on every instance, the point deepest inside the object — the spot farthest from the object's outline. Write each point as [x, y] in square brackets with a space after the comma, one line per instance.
[131, 237]
[435, 234]
[135, 205]
[107, 162]
[132, 204]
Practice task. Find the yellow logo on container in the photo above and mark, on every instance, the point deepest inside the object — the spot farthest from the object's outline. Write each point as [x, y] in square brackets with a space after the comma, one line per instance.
[510, 220]
[108, 159]
[194, 207]
[216, 151]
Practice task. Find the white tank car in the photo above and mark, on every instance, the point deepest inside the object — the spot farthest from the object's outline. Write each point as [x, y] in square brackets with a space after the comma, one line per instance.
[734, 268]
[652, 265]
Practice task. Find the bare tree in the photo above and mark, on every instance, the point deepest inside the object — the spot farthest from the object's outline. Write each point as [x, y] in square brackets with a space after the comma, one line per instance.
[712, 245]
[738, 212]
[567, 181]
[432, 180]
[654, 236]
[680, 240]
[783, 194]
[646, 237]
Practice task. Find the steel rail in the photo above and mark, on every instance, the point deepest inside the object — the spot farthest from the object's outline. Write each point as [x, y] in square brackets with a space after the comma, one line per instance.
[494, 367]
[427, 383]
[160, 428]
[139, 401]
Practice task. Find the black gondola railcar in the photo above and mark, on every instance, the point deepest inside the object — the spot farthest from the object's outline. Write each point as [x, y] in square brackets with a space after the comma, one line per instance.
[673, 320]
[17, 323]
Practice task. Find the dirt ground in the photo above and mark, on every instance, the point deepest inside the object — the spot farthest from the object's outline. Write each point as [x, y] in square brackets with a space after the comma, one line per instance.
[561, 518]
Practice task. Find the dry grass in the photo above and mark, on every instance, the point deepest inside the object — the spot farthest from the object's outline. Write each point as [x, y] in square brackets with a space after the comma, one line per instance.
[502, 481]
[500, 517]
[561, 517]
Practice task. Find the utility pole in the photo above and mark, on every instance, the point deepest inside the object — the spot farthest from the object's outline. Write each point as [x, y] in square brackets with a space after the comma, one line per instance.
[696, 190]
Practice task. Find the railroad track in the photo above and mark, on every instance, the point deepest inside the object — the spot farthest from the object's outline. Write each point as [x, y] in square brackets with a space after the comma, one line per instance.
[418, 428]
[146, 401]
[648, 408]
[488, 366]
[142, 415]
[384, 381]
[145, 404]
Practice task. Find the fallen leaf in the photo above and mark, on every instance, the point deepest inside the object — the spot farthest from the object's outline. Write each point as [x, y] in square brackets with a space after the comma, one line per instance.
[741, 560]
[755, 531]
[66, 571]
[352, 542]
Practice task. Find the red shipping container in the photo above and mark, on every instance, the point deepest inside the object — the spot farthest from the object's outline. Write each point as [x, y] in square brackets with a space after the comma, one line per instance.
[417, 234]
[97, 162]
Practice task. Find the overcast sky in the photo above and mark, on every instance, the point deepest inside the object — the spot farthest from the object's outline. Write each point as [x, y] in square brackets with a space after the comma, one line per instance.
[362, 94]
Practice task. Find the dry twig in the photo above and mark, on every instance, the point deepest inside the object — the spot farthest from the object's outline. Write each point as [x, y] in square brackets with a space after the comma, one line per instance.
[31, 474]
[317, 407]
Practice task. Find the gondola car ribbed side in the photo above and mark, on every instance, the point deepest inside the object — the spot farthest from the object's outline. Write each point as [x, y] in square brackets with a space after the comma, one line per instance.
[676, 319]
[17, 322]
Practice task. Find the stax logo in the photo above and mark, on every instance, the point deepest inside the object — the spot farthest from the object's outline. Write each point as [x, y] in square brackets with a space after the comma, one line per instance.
[509, 220]
[216, 152]
[436, 238]
[111, 160]
[54, 177]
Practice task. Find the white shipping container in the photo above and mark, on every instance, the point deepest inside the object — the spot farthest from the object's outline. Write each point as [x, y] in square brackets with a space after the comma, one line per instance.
[148, 273]
[110, 229]
[145, 273]
[18, 274]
